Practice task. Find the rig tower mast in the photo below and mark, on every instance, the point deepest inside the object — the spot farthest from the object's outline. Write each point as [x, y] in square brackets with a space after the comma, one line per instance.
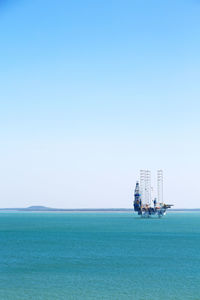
[145, 185]
[160, 186]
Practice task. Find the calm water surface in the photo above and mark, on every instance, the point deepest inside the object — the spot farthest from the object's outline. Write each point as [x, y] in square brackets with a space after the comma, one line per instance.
[99, 256]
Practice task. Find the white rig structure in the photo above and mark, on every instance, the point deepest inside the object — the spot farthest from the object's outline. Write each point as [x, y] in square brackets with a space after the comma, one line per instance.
[143, 203]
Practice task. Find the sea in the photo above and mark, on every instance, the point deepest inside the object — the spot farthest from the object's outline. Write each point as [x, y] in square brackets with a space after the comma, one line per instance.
[99, 256]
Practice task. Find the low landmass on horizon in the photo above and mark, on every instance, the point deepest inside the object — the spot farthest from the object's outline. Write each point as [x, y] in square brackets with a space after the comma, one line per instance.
[46, 209]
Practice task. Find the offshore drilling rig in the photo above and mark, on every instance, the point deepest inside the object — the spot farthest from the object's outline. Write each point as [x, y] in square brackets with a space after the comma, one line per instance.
[143, 203]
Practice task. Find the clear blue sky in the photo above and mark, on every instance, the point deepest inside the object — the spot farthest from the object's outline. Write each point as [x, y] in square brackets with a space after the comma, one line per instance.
[93, 91]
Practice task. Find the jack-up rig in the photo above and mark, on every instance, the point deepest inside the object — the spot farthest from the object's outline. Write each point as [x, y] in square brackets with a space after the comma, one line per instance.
[143, 203]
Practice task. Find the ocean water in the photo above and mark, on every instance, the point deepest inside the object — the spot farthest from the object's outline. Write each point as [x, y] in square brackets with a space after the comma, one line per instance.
[99, 256]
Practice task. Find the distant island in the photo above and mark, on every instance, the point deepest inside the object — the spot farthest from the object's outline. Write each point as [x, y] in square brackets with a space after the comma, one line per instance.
[41, 208]
[44, 208]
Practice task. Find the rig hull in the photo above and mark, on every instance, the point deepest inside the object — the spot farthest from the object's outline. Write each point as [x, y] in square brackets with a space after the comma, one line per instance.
[147, 214]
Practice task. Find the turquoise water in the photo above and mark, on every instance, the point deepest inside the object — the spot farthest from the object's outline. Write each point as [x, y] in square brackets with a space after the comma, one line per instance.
[99, 256]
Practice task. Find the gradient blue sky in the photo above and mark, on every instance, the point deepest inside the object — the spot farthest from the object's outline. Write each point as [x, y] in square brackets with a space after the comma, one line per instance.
[93, 91]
